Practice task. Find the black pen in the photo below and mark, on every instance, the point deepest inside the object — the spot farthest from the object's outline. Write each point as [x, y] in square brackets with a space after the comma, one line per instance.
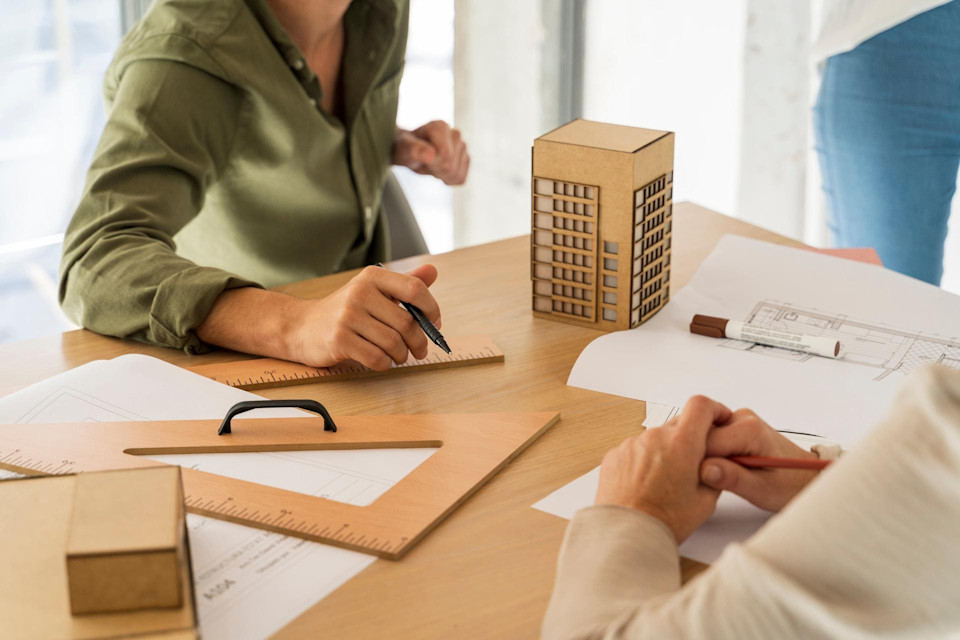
[424, 323]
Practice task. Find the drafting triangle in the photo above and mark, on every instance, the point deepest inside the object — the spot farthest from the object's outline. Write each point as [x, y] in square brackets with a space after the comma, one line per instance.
[472, 448]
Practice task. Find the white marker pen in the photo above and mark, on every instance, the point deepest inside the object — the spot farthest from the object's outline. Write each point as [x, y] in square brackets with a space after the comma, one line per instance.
[723, 328]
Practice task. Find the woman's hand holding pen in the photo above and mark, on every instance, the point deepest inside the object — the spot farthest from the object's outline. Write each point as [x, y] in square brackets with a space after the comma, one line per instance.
[676, 472]
[362, 321]
[745, 434]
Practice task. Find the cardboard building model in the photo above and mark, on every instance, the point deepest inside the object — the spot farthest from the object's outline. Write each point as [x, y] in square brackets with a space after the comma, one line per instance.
[601, 221]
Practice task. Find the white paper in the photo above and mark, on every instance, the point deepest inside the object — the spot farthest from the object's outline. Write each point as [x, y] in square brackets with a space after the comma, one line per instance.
[357, 477]
[658, 413]
[888, 325]
[249, 583]
[734, 520]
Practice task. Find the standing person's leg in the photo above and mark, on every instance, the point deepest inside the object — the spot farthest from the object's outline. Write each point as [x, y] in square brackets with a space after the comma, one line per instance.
[887, 123]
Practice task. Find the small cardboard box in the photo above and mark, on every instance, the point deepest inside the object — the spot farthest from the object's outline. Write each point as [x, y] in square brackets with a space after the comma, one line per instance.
[34, 592]
[125, 547]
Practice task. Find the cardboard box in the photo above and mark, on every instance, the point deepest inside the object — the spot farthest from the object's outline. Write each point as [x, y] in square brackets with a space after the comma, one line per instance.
[602, 222]
[126, 544]
[34, 591]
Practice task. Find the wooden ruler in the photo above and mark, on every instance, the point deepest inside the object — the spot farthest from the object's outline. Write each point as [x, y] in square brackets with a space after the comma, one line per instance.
[269, 372]
[472, 449]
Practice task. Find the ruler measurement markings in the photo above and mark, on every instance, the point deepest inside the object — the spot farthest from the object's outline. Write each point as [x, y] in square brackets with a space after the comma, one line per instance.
[305, 527]
[247, 373]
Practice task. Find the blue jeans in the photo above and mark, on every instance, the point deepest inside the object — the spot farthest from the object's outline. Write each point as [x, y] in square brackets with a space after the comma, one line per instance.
[887, 126]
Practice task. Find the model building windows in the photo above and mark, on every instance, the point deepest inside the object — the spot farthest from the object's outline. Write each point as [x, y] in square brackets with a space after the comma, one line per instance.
[567, 210]
[651, 235]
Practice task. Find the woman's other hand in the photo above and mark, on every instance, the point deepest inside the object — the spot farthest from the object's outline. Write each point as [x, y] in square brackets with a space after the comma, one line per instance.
[658, 471]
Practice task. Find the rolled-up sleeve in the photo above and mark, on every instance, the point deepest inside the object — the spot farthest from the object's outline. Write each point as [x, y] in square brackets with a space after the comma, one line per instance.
[168, 137]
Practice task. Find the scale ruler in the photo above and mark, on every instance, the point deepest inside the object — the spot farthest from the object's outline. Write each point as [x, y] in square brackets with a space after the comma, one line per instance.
[269, 372]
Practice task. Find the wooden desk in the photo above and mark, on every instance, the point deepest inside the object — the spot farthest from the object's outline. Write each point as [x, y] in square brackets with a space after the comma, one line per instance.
[486, 571]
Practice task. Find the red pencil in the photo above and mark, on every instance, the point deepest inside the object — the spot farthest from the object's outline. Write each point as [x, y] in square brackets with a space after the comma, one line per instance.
[762, 462]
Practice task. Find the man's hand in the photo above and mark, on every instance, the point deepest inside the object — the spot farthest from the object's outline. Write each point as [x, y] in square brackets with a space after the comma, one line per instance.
[434, 150]
[363, 321]
[747, 435]
[657, 472]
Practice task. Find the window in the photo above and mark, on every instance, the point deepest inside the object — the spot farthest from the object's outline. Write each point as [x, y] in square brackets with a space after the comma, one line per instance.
[571, 240]
[52, 56]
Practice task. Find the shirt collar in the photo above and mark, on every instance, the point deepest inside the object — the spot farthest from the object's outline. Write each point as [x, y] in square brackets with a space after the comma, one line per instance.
[371, 27]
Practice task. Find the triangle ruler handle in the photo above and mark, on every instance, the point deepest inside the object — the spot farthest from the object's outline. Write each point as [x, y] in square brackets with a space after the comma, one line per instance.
[269, 372]
[471, 449]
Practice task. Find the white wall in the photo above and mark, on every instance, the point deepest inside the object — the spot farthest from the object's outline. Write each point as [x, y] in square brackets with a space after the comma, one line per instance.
[426, 93]
[497, 65]
[776, 115]
[676, 66]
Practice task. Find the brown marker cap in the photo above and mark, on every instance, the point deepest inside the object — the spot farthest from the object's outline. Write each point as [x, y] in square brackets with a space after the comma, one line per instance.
[709, 326]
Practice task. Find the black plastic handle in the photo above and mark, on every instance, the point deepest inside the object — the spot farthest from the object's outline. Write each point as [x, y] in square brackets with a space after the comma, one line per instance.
[249, 405]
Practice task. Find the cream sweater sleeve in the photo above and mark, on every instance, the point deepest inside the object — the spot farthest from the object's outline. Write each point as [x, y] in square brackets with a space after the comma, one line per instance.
[869, 550]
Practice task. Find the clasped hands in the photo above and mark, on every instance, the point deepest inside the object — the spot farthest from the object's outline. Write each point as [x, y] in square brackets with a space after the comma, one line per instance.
[676, 472]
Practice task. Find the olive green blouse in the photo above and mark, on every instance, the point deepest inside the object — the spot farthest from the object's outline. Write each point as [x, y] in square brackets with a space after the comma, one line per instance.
[218, 169]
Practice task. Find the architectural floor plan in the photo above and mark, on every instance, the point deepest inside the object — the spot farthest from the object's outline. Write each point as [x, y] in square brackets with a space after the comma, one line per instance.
[887, 348]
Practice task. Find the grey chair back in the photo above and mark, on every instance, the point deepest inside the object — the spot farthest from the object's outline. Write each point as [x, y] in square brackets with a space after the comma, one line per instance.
[405, 237]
